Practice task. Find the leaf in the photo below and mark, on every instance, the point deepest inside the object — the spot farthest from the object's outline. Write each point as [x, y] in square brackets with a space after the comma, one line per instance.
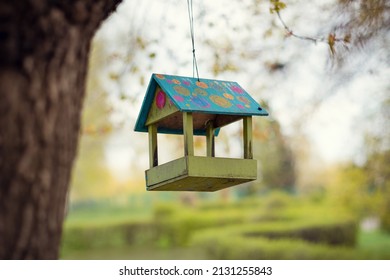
[347, 39]
[331, 43]
[134, 69]
[114, 76]
[123, 96]
[277, 6]
[141, 42]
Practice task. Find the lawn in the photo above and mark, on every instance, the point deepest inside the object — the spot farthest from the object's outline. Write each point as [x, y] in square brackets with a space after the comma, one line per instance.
[375, 242]
[166, 231]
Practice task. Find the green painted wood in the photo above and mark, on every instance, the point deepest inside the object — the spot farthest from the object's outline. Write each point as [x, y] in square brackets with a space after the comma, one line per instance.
[188, 130]
[166, 171]
[222, 167]
[197, 184]
[206, 174]
[153, 149]
[248, 153]
[164, 108]
[210, 139]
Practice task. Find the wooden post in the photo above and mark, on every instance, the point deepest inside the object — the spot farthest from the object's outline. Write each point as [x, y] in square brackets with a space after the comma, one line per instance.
[248, 154]
[210, 140]
[188, 130]
[153, 154]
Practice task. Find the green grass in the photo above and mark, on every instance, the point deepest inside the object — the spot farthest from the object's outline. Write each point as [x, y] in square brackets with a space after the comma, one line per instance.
[135, 253]
[261, 228]
[376, 243]
[106, 216]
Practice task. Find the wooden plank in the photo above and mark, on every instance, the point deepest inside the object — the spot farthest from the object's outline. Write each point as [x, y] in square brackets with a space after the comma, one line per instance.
[166, 171]
[197, 184]
[204, 174]
[153, 149]
[188, 130]
[210, 139]
[248, 153]
[222, 167]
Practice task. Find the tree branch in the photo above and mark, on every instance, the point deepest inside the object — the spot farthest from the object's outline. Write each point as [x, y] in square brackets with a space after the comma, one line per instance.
[331, 40]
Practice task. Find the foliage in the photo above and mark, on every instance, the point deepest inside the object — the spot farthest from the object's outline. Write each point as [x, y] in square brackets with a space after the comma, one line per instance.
[109, 236]
[277, 220]
[332, 233]
[378, 173]
[276, 6]
[365, 190]
[349, 188]
[365, 21]
[260, 248]
[91, 177]
[276, 159]
[377, 165]
[377, 243]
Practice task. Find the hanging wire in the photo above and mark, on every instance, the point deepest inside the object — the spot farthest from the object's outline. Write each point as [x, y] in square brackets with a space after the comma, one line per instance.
[191, 18]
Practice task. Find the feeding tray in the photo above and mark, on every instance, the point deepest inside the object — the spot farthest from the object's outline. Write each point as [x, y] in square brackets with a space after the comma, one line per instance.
[190, 106]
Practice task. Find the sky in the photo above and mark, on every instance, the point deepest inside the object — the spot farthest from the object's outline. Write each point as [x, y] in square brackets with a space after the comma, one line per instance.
[330, 104]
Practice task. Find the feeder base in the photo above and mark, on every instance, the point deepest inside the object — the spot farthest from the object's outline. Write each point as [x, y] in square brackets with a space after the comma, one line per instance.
[202, 174]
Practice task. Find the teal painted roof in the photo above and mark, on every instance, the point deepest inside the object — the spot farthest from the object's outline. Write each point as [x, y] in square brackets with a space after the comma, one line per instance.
[203, 96]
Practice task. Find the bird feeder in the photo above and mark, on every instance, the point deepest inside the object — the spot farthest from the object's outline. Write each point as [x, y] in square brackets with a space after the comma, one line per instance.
[189, 106]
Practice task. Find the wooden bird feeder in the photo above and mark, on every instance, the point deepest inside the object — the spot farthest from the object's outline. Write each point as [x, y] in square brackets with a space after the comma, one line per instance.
[188, 106]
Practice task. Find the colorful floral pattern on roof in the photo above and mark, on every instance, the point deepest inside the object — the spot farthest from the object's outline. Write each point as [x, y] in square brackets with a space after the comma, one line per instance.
[210, 95]
[167, 95]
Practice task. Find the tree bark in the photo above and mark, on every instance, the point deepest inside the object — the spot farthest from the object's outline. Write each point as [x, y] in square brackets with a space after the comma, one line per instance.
[44, 49]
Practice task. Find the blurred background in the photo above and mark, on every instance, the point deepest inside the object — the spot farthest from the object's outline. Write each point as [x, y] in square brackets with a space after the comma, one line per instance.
[323, 188]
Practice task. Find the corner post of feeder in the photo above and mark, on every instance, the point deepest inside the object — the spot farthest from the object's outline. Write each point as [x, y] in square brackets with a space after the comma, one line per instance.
[248, 153]
[210, 140]
[153, 154]
[188, 130]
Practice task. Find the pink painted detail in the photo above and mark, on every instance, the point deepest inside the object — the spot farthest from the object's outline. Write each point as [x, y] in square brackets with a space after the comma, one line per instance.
[187, 83]
[244, 100]
[237, 89]
[239, 106]
[160, 99]
[169, 81]
[178, 98]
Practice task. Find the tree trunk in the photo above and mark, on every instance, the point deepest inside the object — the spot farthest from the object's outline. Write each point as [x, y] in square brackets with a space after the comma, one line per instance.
[43, 62]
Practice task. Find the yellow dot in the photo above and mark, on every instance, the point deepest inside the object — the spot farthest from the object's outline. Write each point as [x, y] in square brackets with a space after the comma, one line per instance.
[228, 96]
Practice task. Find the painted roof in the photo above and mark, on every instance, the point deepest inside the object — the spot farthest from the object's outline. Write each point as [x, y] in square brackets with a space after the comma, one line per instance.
[203, 96]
